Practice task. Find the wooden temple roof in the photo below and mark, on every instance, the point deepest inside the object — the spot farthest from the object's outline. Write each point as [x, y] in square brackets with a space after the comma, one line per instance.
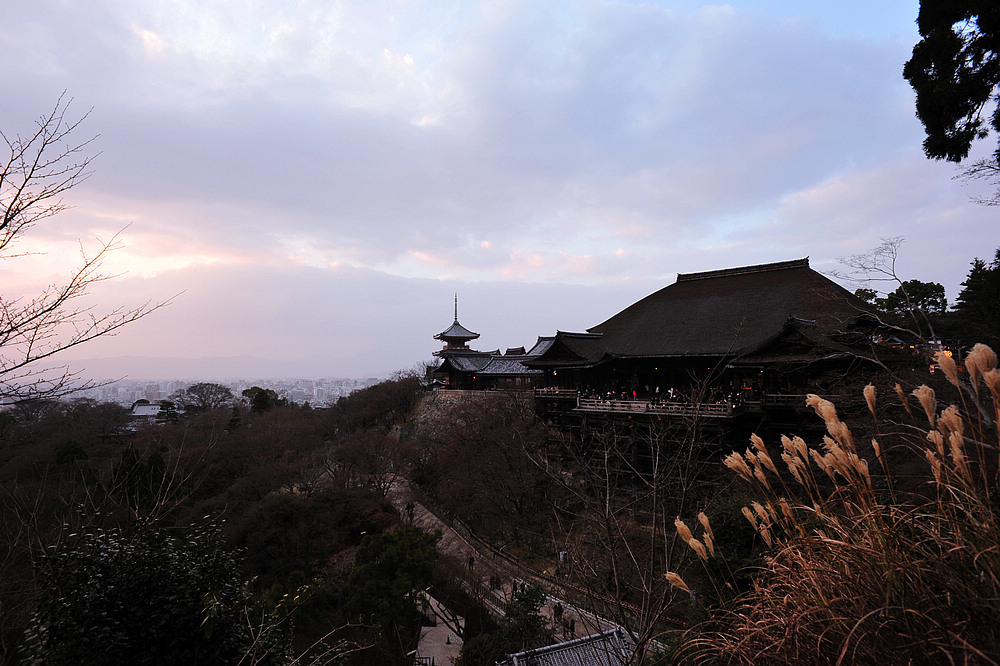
[731, 313]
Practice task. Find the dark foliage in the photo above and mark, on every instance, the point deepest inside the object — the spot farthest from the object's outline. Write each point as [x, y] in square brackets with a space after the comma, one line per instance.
[978, 304]
[383, 590]
[262, 399]
[204, 396]
[376, 407]
[955, 71]
[523, 628]
[81, 467]
[151, 598]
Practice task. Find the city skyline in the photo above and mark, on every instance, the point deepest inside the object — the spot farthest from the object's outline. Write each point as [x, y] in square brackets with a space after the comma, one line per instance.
[318, 393]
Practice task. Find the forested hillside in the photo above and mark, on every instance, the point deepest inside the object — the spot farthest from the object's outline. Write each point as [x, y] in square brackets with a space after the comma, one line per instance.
[264, 533]
[273, 502]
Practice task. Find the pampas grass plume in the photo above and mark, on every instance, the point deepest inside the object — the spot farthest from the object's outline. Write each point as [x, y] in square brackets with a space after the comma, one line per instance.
[980, 360]
[698, 548]
[992, 380]
[703, 519]
[735, 462]
[870, 398]
[925, 395]
[948, 367]
[678, 582]
[683, 530]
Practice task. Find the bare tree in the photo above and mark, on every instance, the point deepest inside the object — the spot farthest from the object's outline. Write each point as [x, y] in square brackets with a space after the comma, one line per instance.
[36, 171]
[626, 483]
[988, 170]
[878, 265]
[205, 396]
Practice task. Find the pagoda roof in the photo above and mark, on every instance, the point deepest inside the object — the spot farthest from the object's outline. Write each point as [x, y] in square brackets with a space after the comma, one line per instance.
[456, 333]
[466, 362]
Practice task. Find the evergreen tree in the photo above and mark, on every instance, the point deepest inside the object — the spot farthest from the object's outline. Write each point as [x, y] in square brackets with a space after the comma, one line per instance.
[978, 304]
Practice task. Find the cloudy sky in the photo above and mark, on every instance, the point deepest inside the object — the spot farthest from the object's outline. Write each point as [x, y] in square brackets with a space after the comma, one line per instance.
[316, 179]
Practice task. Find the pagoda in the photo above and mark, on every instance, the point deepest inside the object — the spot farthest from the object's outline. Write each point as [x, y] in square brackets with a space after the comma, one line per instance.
[468, 369]
[455, 337]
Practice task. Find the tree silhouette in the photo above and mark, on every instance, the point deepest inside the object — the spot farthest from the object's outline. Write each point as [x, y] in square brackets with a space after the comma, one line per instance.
[39, 169]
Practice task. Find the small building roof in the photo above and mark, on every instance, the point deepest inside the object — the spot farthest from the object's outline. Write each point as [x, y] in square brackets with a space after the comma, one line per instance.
[608, 648]
[143, 410]
[503, 365]
[465, 362]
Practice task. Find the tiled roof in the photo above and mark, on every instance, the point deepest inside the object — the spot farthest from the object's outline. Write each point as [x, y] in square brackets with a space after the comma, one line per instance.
[541, 346]
[728, 312]
[609, 648]
[456, 332]
[570, 349]
[468, 363]
[503, 365]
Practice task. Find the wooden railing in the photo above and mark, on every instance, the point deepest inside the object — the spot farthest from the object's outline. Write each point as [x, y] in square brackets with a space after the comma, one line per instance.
[792, 400]
[711, 410]
[556, 393]
[721, 410]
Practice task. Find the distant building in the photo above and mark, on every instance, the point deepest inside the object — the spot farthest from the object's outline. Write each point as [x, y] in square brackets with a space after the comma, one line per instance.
[152, 412]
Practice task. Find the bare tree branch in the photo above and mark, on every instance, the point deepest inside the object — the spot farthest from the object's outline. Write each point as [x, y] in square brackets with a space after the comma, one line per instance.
[38, 169]
[987, 170]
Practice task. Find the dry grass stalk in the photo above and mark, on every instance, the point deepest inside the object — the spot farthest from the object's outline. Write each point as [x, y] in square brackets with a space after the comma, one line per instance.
[852, 577]
[676, 581]
[682, 530]
[948, 367]
[925, 396]
[703, 519]
[878, 454]
[870, 398]
[902, 399]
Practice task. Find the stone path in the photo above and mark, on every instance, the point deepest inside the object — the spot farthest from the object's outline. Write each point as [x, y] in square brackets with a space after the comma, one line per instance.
[442, 644]
[439, 645]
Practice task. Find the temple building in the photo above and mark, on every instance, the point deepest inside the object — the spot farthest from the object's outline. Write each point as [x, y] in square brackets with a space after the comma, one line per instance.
[765, 328]
[738, 338]
[468, 369]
